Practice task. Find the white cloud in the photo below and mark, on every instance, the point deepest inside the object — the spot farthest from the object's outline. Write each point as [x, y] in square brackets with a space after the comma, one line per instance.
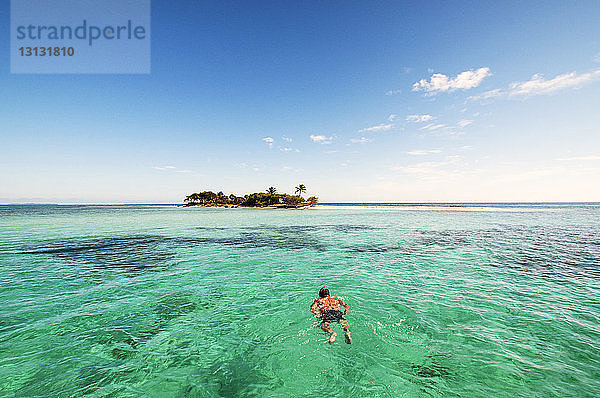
[579, 158]
[392, 117]
[464, 123]
[361, 140]
[329, 152]
[419, 118]
[423, 151]
[171, 168]
[393, 92]
[286, 139]
[432, 127]
[321, 139]
[287, 149]
[466, 147]
[269, 141]
[442, 83]
[538, 85]
[487, 95]
[379, 127]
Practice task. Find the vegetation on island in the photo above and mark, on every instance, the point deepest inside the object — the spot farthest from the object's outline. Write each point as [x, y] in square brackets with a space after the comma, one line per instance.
[269, 198]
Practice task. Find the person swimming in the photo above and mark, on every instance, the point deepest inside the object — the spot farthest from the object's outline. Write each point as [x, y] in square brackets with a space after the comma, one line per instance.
[327, 308]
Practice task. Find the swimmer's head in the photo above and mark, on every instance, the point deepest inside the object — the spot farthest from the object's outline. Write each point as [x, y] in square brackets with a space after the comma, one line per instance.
[323, 292]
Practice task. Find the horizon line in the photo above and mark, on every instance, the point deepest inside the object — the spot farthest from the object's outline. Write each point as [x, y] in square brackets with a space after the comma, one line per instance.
[321, 203]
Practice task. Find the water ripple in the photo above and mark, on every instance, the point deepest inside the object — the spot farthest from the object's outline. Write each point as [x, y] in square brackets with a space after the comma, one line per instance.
[128, 301]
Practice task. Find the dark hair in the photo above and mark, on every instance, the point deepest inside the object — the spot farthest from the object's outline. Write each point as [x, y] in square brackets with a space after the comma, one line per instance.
[323, 292]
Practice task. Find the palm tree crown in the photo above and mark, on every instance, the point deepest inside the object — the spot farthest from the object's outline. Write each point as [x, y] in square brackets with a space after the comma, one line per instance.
[300, 189]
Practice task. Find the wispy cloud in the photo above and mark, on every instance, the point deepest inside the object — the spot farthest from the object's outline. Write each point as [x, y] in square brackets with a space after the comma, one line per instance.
[361, 140]
[392, 117]
[245, 165]
[538, 85]
[578, 158]
[393, 92]
[419, 118]
[432, 127]
[464, 123]
[171, 168]
[288, 149]
[487, 95]
[379, 127]
[439, 82]
[286, 139]
[269, 141]
[321, 139]
[423, 151]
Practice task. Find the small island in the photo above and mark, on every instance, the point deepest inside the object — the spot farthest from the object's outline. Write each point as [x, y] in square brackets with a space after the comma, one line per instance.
[268, 199]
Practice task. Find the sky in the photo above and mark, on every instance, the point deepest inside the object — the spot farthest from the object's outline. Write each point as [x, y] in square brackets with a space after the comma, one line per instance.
[421, 101]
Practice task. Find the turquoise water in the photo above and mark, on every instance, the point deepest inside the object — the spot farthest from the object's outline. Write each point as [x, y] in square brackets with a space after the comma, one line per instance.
[132, 301]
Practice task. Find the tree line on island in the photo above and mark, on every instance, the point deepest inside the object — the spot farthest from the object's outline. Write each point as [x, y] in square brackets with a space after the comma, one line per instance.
[269, 198]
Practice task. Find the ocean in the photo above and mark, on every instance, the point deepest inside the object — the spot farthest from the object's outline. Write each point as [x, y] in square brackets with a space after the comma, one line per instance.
[482, 300]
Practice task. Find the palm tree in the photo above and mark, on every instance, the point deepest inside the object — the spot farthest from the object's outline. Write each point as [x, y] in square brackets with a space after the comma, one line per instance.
[271, 190]
[300, 189]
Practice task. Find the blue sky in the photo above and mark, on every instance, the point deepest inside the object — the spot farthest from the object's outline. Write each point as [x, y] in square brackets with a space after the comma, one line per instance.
[392, 101]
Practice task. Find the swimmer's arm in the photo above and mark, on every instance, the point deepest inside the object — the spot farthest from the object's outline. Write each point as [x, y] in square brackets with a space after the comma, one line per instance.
[341, 302]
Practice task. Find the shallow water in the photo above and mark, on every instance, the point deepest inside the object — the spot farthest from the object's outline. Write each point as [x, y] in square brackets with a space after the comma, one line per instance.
[162, 301]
